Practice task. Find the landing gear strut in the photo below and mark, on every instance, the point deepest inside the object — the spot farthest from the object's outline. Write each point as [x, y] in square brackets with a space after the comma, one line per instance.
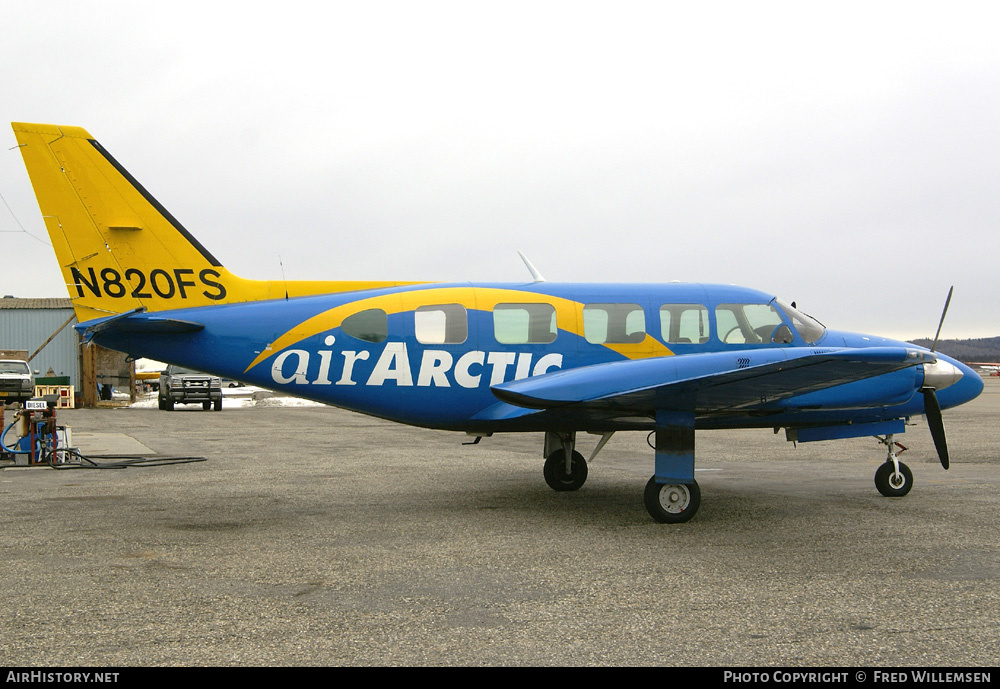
[672, 496]
[893, 479]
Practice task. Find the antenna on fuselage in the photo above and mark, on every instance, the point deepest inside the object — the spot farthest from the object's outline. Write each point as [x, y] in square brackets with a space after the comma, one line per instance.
[535, 275]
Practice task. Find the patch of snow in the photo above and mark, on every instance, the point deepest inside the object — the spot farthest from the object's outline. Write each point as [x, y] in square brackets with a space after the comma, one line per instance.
[236, 398]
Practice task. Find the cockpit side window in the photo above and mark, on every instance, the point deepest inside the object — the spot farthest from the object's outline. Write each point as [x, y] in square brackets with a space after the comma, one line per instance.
[750, 324]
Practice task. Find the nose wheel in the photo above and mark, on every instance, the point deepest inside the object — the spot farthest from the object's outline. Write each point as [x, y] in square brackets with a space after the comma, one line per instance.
[893, 479]
[672, 503]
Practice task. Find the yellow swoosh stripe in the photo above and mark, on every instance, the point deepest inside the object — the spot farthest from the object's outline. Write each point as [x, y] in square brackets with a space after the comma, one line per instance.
[569, 315]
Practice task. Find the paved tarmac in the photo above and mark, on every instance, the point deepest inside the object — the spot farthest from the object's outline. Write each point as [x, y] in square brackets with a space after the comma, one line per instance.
[313, 536]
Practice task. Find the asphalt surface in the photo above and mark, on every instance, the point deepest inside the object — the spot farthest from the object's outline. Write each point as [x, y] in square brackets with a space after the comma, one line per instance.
[313, 536]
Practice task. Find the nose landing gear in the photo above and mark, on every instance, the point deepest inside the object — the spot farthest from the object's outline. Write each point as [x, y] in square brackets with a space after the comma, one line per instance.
[893, 479]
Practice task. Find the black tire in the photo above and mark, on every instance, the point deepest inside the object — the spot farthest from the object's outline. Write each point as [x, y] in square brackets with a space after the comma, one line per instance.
[890, 485]
[671, 503]
[555, 471]
[206, 405]
[218, 405]
[163, 403]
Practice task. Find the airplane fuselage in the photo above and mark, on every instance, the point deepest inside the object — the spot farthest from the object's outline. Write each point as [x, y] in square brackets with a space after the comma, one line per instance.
[430, 355]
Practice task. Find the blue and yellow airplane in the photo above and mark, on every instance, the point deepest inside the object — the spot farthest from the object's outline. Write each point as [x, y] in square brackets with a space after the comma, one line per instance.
[668, 359]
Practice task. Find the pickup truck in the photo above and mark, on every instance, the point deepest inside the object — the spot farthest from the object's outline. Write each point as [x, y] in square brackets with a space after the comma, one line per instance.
[17, 383]
[180, 385]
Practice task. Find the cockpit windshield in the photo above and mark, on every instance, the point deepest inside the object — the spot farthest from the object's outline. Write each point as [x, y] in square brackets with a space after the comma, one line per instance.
[809, 328]
[739, 323]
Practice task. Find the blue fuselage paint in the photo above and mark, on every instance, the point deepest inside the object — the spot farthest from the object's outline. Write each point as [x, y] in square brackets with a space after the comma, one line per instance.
[285, 345]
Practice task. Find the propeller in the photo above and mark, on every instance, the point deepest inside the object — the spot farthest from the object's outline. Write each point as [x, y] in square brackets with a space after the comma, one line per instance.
[944, 313]
[932, 409]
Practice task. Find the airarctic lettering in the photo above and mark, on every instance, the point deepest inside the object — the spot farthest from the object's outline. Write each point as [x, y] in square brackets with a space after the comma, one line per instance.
[438, 368]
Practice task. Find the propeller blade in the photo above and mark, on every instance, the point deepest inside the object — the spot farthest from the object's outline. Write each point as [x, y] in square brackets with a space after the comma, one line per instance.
[936, 423]
[941, 322]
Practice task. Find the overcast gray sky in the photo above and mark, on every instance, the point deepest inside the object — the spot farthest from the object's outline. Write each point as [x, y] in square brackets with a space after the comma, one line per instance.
[843, 155]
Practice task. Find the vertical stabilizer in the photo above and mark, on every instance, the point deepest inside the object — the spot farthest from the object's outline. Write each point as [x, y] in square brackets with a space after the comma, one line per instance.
[118, 248]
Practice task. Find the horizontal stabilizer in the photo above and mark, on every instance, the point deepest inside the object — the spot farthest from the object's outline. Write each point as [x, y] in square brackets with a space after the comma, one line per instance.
[138, 322]
[154, 324]
[501, 411]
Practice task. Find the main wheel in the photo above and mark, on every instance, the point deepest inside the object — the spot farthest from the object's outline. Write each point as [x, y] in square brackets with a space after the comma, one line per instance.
[556, 475]
[891, 484]
[206, 405]
[671, 503]
[218, 405]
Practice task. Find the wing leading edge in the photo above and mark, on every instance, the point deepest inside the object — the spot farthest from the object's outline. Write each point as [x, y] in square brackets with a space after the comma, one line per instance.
[710, 383]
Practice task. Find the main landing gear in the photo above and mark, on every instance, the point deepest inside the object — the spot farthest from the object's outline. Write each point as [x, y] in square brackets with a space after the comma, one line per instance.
[672, 496]
[671, 503]
[893, 479]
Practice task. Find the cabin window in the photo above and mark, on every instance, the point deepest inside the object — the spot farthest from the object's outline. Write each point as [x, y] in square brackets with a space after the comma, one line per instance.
[684, 323]
[746, 323]
[524, 323]
[371, 325]
[444, 324]
[614, 323]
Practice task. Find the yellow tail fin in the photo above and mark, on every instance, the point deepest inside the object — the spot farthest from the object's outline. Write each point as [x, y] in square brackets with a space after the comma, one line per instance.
[117, 247]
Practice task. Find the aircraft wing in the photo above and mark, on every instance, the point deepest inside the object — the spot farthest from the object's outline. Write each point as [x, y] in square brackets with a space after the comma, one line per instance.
[718, 382]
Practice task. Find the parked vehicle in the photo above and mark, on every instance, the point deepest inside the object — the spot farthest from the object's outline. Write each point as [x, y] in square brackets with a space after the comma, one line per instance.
[17, 382]
[179, 385]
